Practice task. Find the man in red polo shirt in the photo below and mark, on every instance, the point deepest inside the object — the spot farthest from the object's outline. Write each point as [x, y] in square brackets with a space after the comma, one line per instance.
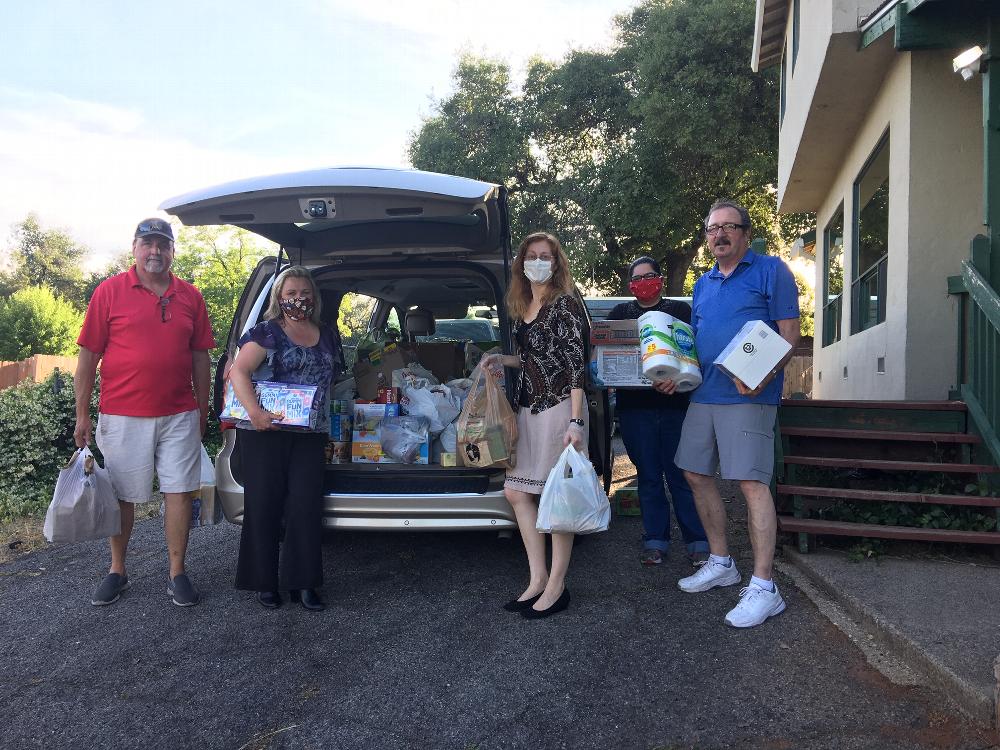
[151, 332]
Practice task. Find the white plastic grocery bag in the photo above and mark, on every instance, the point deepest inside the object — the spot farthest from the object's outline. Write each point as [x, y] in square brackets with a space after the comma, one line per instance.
[573, 504]
[84, 504]
[206, 508]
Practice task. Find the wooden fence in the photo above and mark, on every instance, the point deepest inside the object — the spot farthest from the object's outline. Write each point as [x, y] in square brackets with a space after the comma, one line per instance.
[798, 376]
[37, 368]
[799, 370]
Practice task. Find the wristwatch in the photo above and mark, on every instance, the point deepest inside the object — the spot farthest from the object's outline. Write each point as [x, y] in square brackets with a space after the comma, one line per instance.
[576, 421]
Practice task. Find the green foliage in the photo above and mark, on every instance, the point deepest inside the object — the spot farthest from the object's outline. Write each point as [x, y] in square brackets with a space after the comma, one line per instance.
[866, 549]
[621, 153]
[36, 430]
[218, 261]
[807, 302]
[44, 258]
[33, 320]
[119, 265]
[480, 130]
[917, 515]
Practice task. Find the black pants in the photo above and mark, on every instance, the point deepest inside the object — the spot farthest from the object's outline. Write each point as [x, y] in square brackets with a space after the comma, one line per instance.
[282, 477]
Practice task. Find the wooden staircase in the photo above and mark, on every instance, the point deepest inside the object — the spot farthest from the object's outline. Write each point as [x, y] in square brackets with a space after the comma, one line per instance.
[831, 453]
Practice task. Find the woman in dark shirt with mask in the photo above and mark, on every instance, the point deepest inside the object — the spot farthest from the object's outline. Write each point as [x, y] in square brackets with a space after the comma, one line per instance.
[650, 424]
[283, 469]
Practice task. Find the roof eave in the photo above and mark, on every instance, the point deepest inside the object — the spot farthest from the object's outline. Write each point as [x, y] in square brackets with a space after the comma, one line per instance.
[769, 33]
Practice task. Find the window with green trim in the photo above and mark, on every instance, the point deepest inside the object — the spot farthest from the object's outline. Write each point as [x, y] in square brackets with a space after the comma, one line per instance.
[833, 277]
[783, 83]
[795, 32]
[871, 240]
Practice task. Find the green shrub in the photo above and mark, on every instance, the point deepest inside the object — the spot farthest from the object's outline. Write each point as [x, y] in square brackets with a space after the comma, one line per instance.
[36, 429]
[36, 432]
[34, 320]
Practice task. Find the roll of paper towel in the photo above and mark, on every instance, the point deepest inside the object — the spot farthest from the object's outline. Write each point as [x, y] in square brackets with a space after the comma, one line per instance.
[659, 350]
[689, 376]
[668, 351]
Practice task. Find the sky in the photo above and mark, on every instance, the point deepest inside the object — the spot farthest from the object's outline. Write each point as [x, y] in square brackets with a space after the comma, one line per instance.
[109, 107]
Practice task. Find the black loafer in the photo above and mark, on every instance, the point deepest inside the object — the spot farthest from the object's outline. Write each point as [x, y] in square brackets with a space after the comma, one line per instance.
[557, 606]
[515, 605]
[309, 599]
[269, 599]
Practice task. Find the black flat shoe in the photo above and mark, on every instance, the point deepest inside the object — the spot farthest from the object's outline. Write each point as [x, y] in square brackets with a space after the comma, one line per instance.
[308, 598]
[558, 606]
[269, 599]
[515, 605]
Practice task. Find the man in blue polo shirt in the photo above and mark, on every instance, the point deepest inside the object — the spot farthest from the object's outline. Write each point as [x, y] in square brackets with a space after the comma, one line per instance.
[728, 426]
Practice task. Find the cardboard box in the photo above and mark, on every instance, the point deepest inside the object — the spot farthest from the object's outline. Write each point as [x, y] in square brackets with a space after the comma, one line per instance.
[368, 416]
[366, 447]
[614, 332]
[626, 502]
[753, 353]
[443, 358]
[615, 356]
[387, 395]
[617, 366]
[293, 402]
[448, 459]
[338, 452]
[369, 451]
[376, 371]
[341, 427]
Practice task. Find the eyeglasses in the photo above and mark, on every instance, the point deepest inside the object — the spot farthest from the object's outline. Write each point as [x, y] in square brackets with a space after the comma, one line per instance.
[646, 276]
[164, 313]
[153, 226]
[728, 227]
[538, 257]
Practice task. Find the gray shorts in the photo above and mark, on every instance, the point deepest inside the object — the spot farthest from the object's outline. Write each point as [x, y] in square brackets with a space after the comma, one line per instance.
[135, 447]
[736, 438]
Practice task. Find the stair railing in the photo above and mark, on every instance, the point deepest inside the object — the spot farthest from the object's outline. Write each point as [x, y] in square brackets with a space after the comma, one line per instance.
[977, 376]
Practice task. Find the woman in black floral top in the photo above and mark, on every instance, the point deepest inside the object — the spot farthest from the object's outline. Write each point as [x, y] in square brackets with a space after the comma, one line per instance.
[283, 469]
[548, 327]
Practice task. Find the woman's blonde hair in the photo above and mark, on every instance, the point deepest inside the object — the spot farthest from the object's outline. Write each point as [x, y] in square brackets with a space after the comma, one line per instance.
[519, 293]
[292, 272]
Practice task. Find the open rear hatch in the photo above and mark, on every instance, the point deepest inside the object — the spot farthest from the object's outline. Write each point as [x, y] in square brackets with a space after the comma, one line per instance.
[325, 214]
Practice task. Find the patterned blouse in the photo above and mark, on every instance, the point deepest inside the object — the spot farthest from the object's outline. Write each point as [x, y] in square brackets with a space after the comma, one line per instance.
[553, 357]
[287, 362]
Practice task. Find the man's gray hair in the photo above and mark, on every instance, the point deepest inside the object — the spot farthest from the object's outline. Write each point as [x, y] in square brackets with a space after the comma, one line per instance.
[724, 203]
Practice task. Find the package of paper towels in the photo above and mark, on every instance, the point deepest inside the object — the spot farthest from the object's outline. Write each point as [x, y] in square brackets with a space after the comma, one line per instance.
[668, 353]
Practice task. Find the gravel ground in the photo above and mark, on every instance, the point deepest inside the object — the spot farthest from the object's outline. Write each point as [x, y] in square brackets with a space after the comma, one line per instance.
[414, 651]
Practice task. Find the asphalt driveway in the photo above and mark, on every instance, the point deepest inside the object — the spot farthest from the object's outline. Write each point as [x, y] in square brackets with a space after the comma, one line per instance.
[414, 651]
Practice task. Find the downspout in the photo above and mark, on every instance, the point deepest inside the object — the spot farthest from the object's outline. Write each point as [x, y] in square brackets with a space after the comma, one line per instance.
[991, 150]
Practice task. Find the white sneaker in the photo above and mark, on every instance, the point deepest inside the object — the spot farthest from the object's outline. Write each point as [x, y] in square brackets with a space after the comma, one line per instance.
[710, 574]
[755, 606]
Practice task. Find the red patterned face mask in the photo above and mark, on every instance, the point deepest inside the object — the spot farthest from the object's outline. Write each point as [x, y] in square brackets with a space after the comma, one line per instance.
[646, 288]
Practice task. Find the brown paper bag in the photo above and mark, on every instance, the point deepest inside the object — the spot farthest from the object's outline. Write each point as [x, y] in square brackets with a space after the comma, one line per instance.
[487, 427]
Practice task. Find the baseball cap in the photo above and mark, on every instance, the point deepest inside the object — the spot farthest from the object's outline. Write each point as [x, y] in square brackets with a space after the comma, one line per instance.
[154, 226]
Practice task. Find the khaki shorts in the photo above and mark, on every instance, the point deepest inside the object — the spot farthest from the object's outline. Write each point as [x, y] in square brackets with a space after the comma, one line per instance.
[135, 447]
[737, 439]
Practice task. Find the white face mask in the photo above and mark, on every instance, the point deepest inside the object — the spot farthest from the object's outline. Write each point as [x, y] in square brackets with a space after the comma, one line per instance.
[538, 271]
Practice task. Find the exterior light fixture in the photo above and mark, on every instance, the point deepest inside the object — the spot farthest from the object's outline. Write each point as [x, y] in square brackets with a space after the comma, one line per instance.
[969, 62]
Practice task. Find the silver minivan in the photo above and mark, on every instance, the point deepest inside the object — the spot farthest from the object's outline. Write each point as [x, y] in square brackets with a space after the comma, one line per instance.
[402, 241]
